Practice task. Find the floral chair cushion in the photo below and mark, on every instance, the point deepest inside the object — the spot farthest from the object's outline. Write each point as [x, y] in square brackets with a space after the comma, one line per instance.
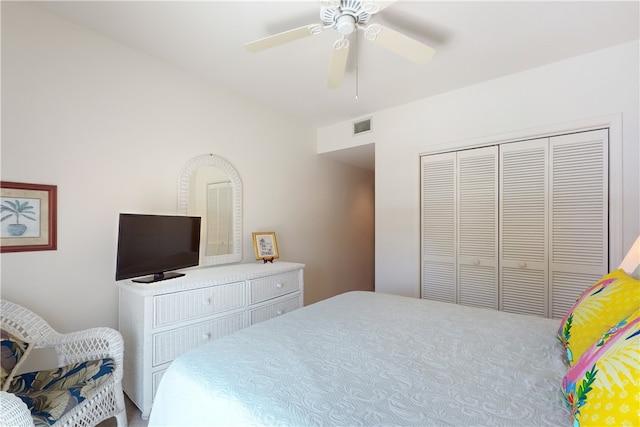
[51, 393]
[13, 352]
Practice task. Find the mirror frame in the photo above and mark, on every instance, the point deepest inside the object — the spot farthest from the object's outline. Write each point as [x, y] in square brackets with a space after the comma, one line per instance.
[183, 203]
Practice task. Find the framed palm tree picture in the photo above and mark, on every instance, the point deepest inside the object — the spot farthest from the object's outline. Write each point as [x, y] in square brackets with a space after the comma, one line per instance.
[27, 217]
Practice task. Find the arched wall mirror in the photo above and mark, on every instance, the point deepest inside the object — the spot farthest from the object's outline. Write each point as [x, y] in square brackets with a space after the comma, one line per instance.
[210, 187]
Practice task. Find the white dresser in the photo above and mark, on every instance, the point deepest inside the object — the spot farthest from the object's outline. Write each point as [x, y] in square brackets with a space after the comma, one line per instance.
[162, 320]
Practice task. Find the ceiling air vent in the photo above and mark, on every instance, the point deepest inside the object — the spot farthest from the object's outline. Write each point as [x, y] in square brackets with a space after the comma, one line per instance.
[361, 127]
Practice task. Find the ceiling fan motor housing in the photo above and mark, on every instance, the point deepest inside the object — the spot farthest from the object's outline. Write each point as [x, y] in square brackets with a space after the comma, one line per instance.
[345, 17]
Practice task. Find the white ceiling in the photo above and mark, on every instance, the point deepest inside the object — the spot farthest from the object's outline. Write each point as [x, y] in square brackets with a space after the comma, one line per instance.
[474, 41]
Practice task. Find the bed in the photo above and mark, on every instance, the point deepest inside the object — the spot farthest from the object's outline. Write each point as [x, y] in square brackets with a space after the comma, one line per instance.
[375, 359]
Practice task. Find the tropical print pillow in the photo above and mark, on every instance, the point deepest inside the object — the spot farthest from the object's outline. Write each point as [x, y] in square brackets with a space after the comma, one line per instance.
[603, 387]
[600, 307]
[51, 393]
[13, 351]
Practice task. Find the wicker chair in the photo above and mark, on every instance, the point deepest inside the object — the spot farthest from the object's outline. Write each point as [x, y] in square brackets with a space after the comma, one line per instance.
[101, 402]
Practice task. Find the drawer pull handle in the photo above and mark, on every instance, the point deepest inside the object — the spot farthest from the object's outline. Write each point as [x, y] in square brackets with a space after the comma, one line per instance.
[206, 336]
[279, 286]
[476, 262]
[522, 264]
[280, 312]
[207, 301]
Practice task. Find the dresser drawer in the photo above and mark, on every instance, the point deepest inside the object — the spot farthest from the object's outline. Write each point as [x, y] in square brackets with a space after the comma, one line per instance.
[181, 306]
[274, 286]
[155, 381]
[279, 308]
[171, 344]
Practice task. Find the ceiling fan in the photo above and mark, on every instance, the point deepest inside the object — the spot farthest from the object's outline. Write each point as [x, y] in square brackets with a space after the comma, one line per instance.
[345, 17]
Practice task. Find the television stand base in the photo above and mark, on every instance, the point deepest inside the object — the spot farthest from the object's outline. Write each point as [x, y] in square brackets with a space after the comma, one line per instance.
[158, 277]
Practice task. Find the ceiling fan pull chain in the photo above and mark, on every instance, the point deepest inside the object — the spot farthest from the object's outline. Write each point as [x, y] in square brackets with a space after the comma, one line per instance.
[357, 63]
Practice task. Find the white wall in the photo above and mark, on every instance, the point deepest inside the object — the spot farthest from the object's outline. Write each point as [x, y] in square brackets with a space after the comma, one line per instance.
[112, 128]
[602, 83]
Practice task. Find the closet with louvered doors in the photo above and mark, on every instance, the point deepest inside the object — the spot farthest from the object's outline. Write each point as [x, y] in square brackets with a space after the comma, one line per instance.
[549, 239]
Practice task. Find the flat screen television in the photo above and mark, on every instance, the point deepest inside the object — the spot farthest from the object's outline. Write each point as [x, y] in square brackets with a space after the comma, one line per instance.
[155, 245]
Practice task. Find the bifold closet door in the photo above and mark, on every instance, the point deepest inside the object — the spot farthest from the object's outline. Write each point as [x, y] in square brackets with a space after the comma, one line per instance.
[579, 215]
[477, 234]
[438, 209]
[459, 227]
[523, 227]
[553, 221]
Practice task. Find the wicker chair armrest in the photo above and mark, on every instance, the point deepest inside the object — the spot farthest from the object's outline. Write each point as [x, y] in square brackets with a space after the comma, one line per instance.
[13, 411]
[25, 323]
[90, 344]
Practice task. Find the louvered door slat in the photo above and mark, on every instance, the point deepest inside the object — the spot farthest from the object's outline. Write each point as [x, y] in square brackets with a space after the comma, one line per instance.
[478, 286]
[525, 293]
[523, 236]
[438, 227]
[437, 283]
[566, 288]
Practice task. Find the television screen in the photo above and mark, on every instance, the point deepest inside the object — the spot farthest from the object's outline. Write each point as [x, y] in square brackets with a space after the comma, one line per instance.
[156, 245]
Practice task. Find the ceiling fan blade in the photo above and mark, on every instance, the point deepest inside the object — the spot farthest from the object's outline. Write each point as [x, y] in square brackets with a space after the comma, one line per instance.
[338, 63]
[398, 43]
[282, 38]
[375, 6]
[330, 3]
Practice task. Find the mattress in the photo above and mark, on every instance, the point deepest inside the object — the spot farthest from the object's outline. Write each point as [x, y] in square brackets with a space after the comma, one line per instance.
[365, 358]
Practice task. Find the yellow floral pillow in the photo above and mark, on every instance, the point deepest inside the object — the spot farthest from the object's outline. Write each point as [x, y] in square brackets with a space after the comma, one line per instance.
[603, 387]
[603, 305]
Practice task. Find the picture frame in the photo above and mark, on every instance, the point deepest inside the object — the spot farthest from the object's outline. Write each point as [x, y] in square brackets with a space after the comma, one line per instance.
[265, 245]
[28, 217]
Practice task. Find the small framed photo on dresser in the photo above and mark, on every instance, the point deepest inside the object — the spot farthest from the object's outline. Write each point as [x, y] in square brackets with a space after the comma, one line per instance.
[265, 245]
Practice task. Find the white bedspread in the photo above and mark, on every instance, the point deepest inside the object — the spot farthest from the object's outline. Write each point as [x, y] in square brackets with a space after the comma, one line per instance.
[364, 358]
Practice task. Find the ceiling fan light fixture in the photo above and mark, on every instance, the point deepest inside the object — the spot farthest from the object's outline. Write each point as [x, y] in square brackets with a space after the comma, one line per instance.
[346, 24]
